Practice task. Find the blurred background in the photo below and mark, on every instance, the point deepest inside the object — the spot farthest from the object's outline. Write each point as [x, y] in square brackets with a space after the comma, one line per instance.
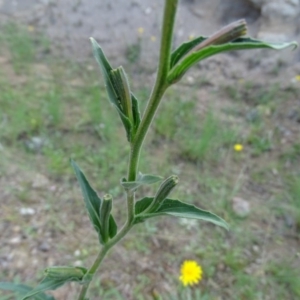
[53, 107]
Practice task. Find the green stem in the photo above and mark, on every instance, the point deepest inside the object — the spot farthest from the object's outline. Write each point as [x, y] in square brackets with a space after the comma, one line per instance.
[159, 88]
[102, 254]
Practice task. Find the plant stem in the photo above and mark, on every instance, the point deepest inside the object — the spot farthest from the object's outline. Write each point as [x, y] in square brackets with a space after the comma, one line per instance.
[159, 88]
[104, 250]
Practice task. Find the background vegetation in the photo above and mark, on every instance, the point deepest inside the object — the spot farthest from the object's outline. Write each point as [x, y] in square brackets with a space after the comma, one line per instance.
[52, 110]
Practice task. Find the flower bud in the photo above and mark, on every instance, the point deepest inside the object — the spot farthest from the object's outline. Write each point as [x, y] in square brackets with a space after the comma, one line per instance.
[164, 190]
[105, 211]
[225, 35]
[64, 273]
[121, 87]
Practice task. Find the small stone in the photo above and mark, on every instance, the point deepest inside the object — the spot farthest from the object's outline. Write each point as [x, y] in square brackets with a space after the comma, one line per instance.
[44, 246]
[35, 143]
[148, 10]
[255, 249]
[26, 211]
[241, 207]
[15, 240]
[289, 220]
[190, 80]
[78, 263]
[221, 267]
[16, 229]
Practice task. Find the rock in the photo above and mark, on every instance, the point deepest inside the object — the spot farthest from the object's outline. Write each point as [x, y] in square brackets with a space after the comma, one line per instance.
[78, 263]
[257, 3]
[15, 240]
[278, 20]
[35, 143]
[279, 9]
[26, 211]
[44, 246]
[289, 220]
[241, 207]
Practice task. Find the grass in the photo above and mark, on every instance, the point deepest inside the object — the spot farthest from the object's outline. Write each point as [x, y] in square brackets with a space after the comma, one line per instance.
[58, 111]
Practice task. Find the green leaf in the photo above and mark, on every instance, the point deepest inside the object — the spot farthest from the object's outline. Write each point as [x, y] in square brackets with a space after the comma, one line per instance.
[176, 208]
[45, 285]
[142, 179]
[23, 289]
[135, 112]
[91, 199]
[127, 124]
[183, 49]
[239, 44]
[113, 228]
[142, 205]
[55, 277]
[106, 70]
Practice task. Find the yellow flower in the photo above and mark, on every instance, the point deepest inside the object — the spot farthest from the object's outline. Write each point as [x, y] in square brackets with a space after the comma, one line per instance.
[191, 37]
[297, 77]
[153, 38]
[30, 28]
[238, 147]
[191, 272]
[140, 30]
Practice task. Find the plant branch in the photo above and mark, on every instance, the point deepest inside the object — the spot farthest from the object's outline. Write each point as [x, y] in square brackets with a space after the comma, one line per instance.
[101, 256]
[159, 88]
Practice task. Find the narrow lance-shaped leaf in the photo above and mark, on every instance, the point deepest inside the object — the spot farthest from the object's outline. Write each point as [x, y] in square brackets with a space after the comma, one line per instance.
[55, 277]
[183, 49]
[176, 208]
[22, 289]
[226, 34]
[239, 44]
[113, 228]
[105, 69]
[91, 200]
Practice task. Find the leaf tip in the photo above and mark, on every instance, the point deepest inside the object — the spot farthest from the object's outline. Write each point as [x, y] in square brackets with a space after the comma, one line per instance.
[294, 44]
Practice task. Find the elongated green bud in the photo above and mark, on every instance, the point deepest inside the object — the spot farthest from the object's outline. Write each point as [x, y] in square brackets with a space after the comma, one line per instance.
[163, 192]
[65, 273]
[105, 211]
[121, 87]
[225, 35]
